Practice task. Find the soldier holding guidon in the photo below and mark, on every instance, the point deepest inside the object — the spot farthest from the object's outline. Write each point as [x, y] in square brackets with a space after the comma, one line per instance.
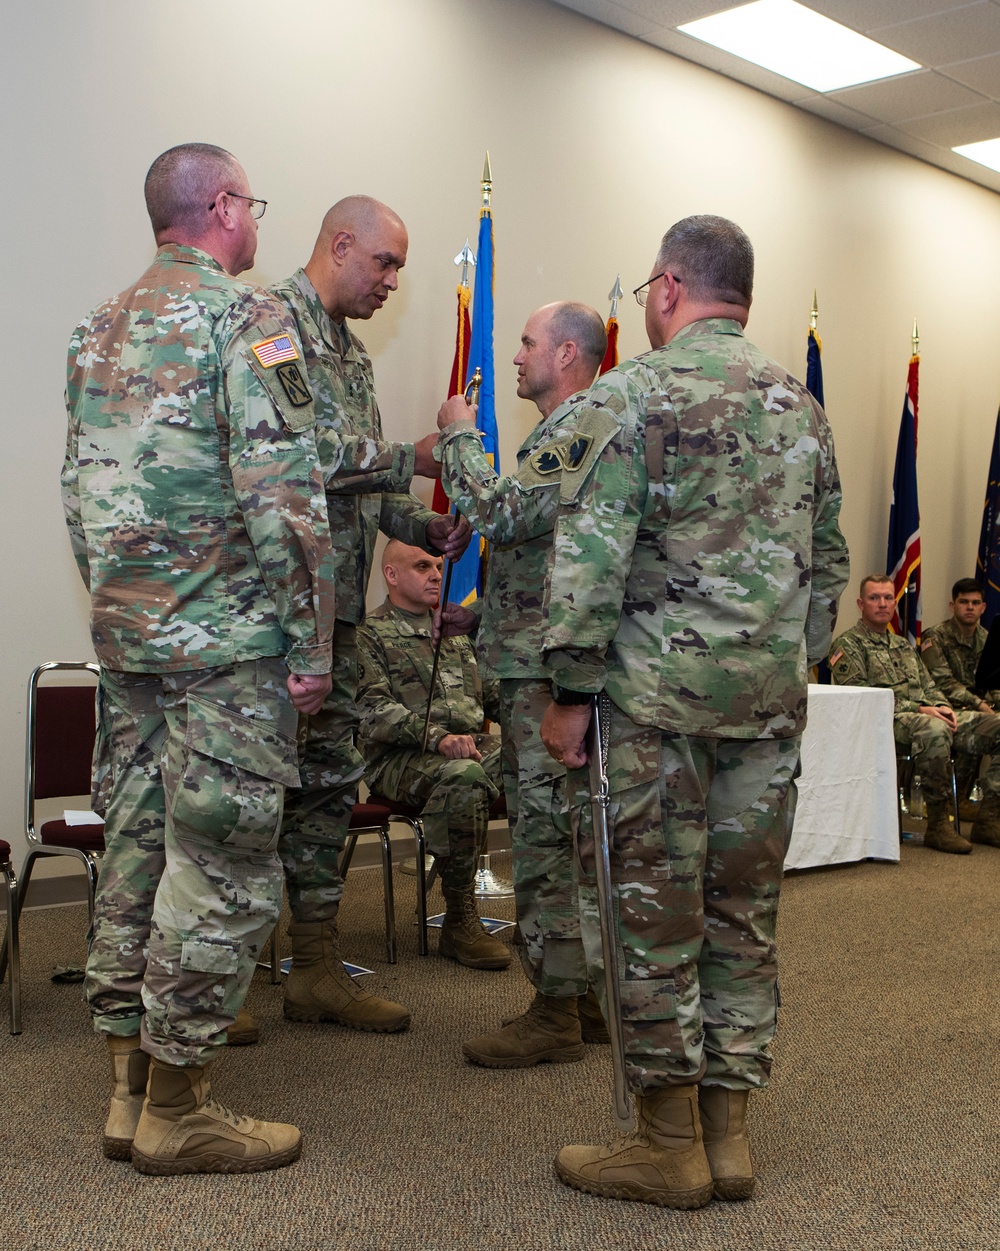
[698, 562]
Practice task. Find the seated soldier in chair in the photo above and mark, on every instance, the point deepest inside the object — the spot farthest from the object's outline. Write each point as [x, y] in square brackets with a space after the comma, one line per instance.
[924, 722]
[456, 779]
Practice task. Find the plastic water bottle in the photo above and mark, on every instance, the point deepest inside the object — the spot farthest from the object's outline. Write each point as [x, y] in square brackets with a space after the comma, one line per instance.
[917, 799]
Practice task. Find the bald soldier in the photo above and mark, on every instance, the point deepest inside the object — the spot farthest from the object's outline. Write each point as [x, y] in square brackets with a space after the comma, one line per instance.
[561, 350]
[353, 269]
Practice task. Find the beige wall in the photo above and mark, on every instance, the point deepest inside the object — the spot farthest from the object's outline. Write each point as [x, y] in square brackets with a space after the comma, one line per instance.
[597, 142]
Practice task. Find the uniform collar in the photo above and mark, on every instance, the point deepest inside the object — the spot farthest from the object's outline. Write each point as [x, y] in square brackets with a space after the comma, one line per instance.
[416, 624]
[184, 255]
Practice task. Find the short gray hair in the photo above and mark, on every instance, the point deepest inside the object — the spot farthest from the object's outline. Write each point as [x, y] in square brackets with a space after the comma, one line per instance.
[712, 255]
[183, 181]
[582, 325]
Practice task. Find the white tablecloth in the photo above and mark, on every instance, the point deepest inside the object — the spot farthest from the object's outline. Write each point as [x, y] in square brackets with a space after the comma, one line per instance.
[847, 792]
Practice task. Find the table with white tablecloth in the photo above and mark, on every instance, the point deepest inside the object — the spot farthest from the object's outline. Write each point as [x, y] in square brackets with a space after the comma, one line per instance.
[847, 791]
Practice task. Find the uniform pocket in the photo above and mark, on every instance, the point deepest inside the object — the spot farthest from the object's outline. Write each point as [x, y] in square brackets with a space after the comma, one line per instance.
[235, 770]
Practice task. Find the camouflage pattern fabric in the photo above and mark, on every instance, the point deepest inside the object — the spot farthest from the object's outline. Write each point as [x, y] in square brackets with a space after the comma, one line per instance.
[698, 563]
[193, 767]
[951, 659]
[314, 832]
[863, 657]
[701, 827]
[191, 484]
[367, 477]
[542, 842]
[396, 658]
[705, 516]
[516, 514]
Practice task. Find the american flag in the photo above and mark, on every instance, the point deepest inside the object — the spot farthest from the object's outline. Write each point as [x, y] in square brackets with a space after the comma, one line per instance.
[275, 350]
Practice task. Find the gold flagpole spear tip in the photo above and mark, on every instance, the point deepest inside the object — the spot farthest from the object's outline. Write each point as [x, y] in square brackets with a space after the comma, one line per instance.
[814, 312]
[465, 258]
[615, 294]
[916, 338]
[487, 181]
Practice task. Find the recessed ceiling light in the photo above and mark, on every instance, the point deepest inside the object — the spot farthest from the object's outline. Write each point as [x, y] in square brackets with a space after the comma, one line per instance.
[986, 152]
[799, 44]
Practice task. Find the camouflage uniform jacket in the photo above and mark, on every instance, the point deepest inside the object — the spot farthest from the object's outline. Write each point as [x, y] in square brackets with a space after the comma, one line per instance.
[863, 657]
[191, 483]
[516, 514]
[396, 657]
[951, 660]
[367, 477]
[698, 559]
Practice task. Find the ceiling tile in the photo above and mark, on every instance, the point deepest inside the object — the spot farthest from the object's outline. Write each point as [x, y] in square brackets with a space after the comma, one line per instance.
[950, 36]
[956, 126]
[909, 95]
[982, 74]
[729, 65]
[610, 14]
[864, 15]
[676, 12]
[823, 106]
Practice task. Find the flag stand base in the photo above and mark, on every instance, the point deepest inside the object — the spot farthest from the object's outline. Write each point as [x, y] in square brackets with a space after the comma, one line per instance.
[488, 885]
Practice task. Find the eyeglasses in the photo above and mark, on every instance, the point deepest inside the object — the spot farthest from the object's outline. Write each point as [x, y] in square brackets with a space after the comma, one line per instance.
[642, 293]
[257, 207]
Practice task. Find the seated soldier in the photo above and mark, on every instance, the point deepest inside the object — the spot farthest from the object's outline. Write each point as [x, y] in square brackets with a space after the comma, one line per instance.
[952, 649]
[456, 779]
[924, 721]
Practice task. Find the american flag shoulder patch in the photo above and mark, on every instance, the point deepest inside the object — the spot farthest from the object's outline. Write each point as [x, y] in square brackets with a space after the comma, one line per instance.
[926, 642]
[275, 351]
[836, 656]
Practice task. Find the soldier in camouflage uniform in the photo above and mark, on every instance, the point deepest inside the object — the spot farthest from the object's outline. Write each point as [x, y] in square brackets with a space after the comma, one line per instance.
[354, 266]
[196, 510]
[924, 721]
[697, 566]
[457, 778]
[562, 347]
[950, 651]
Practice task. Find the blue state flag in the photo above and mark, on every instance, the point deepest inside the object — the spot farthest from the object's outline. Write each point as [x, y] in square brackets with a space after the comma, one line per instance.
[467, 574]
[902, 560]
[814, 368]
[988, 560]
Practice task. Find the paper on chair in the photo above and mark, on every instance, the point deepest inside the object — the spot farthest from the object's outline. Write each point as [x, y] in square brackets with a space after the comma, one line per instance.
[81, 816]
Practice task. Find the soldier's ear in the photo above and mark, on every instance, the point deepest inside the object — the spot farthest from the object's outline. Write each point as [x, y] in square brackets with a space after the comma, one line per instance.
[340, 245]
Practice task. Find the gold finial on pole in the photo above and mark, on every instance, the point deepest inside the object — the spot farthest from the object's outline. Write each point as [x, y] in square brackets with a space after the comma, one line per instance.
[916, 338]
[814, 312]
[487, 181]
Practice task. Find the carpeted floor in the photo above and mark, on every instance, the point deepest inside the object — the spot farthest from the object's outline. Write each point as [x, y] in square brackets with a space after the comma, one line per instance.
[879, 1132]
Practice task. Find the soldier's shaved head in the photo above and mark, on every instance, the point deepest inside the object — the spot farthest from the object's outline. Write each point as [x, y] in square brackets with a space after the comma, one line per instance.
[183, 181]
[713, 256]
[361, 215]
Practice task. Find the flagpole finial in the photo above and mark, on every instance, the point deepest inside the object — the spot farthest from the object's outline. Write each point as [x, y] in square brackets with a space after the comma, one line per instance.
[615, 294]
[487, 181]
[814, 312]
[916, 338]
[465, 258]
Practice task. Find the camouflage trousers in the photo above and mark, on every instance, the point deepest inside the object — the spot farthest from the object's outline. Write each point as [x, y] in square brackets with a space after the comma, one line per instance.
[545, 885]
[700, 828]
[190, 772]
[318, 813]
[930, 743]
[455, 798]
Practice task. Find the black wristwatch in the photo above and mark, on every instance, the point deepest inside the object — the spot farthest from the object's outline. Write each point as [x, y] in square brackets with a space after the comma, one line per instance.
[566, 698]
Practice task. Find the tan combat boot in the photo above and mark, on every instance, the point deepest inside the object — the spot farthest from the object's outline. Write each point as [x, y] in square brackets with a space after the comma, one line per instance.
[987, 827]
[549, 1030]
[183, 1130]
[940, 833]
[129, 1072]
[319, 988]
[723, 1124]
[662, 1161]
[592, 1024]
[462, 935]
[243, 1030]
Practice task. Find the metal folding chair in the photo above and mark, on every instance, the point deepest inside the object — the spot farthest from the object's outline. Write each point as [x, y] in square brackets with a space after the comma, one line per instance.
[11, 943]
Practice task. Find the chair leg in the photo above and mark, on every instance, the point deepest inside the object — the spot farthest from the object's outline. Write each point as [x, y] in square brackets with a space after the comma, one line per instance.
[954, 797]
[418, 838]
[275, 957]
[387, 894]
[11, 944]
[347, 855]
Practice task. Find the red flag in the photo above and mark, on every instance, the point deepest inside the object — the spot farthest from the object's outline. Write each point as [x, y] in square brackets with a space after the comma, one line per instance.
[459, 367]
[611, 355]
